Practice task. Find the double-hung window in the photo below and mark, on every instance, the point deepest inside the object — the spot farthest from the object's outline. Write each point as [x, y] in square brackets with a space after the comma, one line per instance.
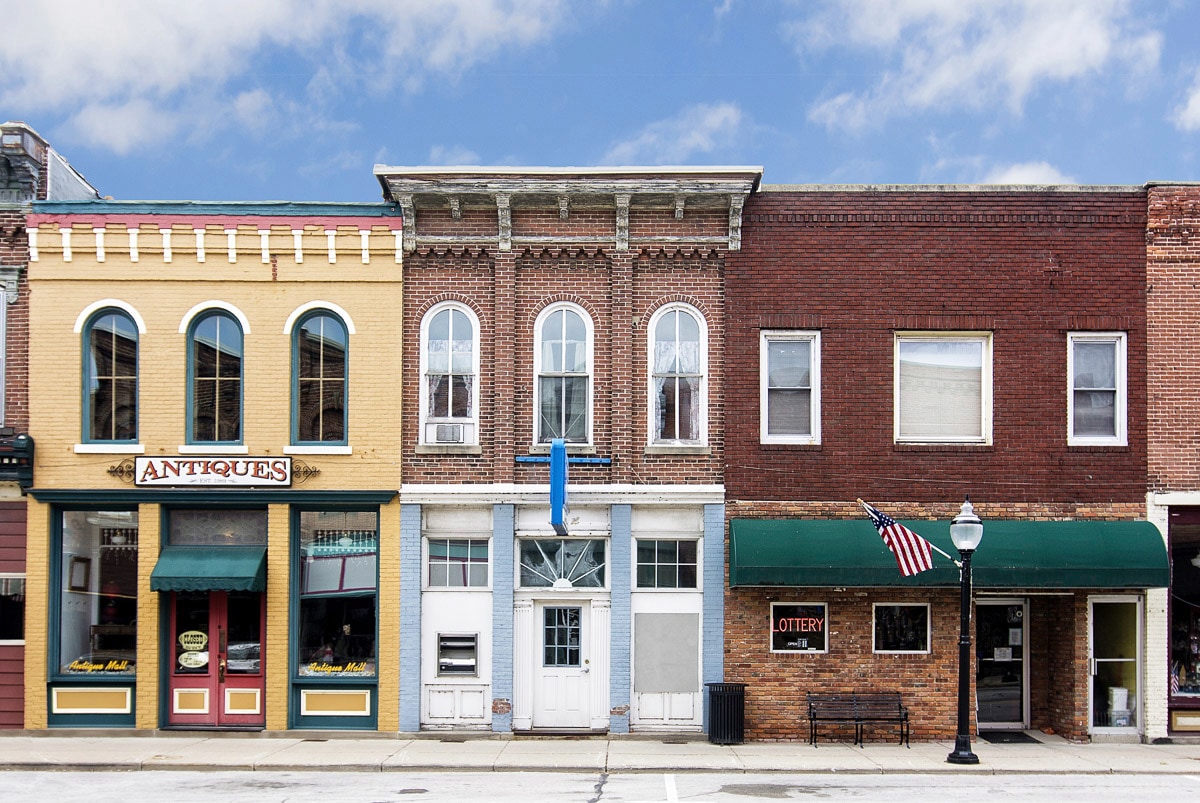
[110, 378]
[563, 364]
[677, 370]
[215, 387]
[319, 350]
[1096, 397]
[789, 387]
[943, 386]
[449, 393]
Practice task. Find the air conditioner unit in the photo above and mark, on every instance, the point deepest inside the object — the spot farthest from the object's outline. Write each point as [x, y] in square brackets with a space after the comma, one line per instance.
[449, 433]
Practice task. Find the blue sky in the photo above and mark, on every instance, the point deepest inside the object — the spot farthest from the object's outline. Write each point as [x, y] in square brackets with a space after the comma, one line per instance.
[288, 100]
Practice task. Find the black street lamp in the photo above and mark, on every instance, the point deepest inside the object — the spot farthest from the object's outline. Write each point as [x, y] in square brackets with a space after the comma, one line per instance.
[966, 531]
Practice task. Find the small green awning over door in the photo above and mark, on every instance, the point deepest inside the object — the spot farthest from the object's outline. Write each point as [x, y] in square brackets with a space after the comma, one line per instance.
[1013, 554]
[205, 568]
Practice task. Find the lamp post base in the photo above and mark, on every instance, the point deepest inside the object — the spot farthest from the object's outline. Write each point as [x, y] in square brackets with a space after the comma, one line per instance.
[962, 752]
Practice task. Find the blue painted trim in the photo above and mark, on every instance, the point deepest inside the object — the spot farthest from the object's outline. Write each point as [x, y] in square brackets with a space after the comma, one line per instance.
[575, 461]
[277, 208]
[558, 485]
[410, 618]
[713, 602]
[503, 550]
[620, 558]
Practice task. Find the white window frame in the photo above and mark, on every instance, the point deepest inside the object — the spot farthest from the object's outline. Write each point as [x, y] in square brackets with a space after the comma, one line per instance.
[676, 589]
[426, 562]
[766, 337]
[984, 438]
[427, 422]
[589, 372]
[1120, 436]
[875, 648]
[651, 414]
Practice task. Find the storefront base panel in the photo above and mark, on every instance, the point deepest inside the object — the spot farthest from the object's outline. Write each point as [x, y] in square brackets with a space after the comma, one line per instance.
[1185, 721]
[96, 706]
[327, 708]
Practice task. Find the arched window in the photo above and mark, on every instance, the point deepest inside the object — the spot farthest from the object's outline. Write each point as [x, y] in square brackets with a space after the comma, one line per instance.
[677, 372]
[215, 381]
[449, 393]
[563, 358]
[319, 379]
[110, 381]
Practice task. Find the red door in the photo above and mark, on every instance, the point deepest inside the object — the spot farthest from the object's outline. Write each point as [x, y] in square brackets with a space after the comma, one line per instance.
[217, 675]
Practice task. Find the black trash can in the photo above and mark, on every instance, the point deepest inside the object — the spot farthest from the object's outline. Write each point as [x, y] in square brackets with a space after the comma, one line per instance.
[726, 712]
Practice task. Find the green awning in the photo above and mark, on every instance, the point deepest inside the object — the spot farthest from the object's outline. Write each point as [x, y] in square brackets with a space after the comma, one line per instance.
[1012, 555]
[210, 568]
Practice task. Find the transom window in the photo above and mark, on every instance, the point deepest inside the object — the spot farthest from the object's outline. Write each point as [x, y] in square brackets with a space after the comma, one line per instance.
[665, 563]
[458, 562]
[562, 562]
[319, 347]
[111, 377]
[1096, 396]
[564, 356]
[789, 392]
[215, 360]
[677, 375]
[450, 376]
[944, 388]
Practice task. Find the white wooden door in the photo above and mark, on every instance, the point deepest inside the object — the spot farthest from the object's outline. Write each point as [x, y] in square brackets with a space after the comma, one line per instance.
[562, 686]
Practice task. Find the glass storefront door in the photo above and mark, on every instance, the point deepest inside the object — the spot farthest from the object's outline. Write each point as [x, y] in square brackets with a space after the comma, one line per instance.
[216, 676]
[1000, 662]
[1116, 637]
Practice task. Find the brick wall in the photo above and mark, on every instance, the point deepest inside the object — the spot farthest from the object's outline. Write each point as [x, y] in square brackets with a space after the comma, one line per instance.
[1173, 373]
[14, 250]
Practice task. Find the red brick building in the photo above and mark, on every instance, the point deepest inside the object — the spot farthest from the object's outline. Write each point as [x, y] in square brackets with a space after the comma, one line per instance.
[911, 347]
[1173, 421]
[584, 306]
[29, 170]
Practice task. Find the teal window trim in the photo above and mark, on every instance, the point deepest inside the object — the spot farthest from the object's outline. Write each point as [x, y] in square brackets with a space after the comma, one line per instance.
[91, 377]
[294, 558]
[225, 318]
[297, 403]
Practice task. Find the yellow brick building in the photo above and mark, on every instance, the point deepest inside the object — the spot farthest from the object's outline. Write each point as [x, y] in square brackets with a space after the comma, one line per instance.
[213, 531]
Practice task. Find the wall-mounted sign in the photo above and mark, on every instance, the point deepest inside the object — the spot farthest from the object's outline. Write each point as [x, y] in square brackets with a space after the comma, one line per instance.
[191, 471]
[799, 627]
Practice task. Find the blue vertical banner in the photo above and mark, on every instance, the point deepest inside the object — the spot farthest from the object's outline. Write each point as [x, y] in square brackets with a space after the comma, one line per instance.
[558, 485]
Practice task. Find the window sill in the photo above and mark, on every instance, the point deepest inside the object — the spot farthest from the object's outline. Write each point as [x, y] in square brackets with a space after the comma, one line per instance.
[231, 448]
[429, 448]
[572, 448]
[1098, 447]
[943, 447]
[110, 448]
[678, 450]
[776, 446]
[318, 450]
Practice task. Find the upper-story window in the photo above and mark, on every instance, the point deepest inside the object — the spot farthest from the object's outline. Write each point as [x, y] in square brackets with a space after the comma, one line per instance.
[789, 387]
[319, 348]
[677, 371]
[215, 389]
[943, 387]
[449, 392]
[1096, 397]
[110, 377]
[563, 364]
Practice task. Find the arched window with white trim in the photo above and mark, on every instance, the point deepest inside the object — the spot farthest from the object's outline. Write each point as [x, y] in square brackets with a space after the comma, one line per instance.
[320, 369]
[215, 346]
[449, 393]
[678, 368]
[563, 366]
[110, 378]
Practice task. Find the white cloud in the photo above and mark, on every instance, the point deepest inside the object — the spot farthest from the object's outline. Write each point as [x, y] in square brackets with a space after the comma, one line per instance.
[1186, 116]
[122, 127]
[452, 155]
[947, 54]
[697, 130]
[1028, 173]
[174, 58]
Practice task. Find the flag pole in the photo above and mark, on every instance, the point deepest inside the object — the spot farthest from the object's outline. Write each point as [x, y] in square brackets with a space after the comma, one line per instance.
[932, 545]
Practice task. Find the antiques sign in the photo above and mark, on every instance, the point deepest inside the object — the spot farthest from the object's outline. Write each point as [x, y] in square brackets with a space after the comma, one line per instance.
[229, 471]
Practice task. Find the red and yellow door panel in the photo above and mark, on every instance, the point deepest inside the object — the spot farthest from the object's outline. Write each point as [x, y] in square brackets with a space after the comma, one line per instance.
[216, 677]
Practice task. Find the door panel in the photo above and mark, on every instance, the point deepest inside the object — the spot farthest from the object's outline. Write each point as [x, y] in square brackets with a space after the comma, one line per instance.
[1115, 640]
[216, 676]
[562, 688]
[1000, 682]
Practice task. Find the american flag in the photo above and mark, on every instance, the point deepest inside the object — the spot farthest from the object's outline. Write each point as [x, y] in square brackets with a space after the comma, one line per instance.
[912, 552]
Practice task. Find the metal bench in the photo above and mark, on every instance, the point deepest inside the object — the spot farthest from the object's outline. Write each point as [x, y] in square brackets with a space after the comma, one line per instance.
[857, 709]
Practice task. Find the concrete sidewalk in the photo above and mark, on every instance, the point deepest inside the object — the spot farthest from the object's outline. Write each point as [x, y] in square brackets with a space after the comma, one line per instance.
[614, 754]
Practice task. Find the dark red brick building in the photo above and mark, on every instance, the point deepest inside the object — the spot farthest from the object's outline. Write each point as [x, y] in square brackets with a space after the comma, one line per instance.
[911, 347]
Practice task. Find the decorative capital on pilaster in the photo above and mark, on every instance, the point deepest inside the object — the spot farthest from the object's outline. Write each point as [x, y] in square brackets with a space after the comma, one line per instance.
[735, 221]
[564, 207]
[679, 203]
[622, 200]
[409, 213]
[9, 276]
[504, 215]
[455, 207]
